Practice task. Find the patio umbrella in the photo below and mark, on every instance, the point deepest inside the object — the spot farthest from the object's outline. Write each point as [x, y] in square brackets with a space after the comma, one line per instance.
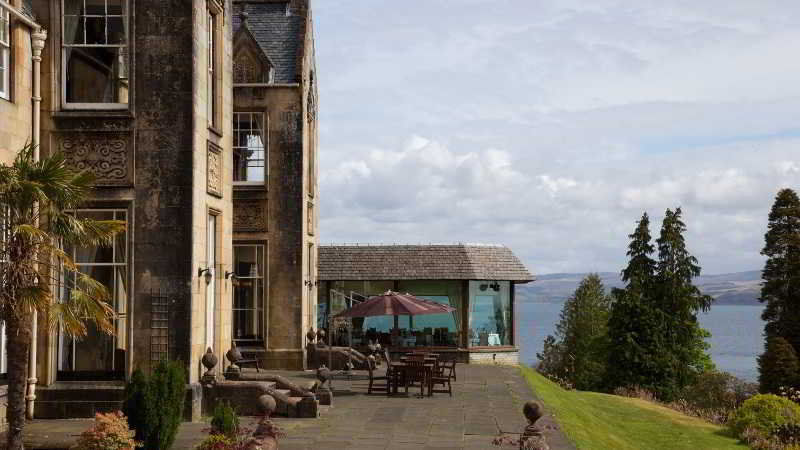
[395, 304]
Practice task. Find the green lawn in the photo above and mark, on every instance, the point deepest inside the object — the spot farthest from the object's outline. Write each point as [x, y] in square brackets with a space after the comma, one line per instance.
[601, 421]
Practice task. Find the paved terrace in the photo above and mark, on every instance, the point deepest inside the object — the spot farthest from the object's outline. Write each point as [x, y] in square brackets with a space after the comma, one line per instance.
[487, 401]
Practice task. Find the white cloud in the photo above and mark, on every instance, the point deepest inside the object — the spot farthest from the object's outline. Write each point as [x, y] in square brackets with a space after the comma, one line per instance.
[550, 126]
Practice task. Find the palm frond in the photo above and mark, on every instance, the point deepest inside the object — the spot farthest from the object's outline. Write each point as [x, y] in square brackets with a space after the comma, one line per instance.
[87, 301]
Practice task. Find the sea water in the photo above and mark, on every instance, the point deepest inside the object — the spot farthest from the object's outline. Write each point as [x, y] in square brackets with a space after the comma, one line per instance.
[736, 334]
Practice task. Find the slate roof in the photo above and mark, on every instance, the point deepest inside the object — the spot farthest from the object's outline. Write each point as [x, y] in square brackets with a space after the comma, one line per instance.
[276, 33]
[420, 262]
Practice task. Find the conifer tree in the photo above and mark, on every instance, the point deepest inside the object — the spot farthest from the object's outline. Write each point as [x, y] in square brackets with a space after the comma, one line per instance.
[634, 323]
[582, 335]
[781, 287]
[680, 300]
[778, 366]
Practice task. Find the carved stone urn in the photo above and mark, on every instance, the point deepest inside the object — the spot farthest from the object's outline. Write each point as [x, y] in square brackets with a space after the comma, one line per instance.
[209, 361]
[311, 335]
[267, 404]
[233, 372]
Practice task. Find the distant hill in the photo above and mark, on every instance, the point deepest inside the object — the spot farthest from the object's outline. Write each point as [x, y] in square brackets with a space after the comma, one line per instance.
[741, 288]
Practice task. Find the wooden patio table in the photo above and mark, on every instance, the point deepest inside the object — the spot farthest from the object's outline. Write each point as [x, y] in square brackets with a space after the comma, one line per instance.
[399, 367]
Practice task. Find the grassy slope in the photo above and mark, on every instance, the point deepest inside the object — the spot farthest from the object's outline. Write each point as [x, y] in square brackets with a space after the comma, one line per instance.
[600, 421]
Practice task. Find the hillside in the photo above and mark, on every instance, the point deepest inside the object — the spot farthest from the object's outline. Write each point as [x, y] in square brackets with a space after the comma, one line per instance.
[740, 288]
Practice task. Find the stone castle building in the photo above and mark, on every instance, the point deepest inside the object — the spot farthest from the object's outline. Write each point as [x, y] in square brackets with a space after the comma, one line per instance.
[198, 119]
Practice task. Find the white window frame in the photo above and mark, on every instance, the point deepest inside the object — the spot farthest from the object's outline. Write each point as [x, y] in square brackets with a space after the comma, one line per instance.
[121, 316]
[261, 305]
[260, 117]
[64, 63]
[5, 53]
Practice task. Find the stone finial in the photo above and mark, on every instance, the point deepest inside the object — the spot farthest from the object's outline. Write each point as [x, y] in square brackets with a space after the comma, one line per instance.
[267, 404]
[209, 361]
[532, 411]
[311, 335]
[243, 15]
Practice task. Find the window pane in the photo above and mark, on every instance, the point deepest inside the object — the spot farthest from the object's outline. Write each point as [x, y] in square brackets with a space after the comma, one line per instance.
[73, 30]
[95, 30]
[116, 30]
[490, 314]
[116, 7]
[96, 75]
[95, 7]
[248, 296]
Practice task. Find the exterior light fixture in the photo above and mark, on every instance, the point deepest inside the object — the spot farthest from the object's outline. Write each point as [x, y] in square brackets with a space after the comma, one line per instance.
[231, 275]
[206, 273]
[495, 286]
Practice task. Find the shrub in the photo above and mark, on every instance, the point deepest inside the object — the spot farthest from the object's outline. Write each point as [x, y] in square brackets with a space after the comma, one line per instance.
[109, 432]
[155, 404]
[762, 416]
[217, 442]
[224, 420]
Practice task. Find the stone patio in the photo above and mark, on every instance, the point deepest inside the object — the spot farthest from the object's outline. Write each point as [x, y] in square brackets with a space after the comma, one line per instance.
[487, 401]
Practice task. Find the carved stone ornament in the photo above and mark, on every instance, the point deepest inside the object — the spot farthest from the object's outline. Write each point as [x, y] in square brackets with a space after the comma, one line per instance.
[214, 169]
[107, 156]
[310, 219]
[311, 105]
[249, 215]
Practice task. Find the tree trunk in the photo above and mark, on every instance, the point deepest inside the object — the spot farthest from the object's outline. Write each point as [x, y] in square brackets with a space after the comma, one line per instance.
[17, 345]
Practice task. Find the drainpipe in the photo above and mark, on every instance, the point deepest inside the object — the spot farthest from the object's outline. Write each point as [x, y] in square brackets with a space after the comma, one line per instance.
[38, 38]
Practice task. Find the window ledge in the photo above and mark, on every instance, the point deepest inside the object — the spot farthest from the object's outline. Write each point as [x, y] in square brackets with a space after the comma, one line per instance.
[257, 186]
[99, 113]
[215, 130]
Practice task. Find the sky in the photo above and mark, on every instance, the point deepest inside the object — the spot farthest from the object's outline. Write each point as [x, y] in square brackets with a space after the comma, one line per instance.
[551, 126]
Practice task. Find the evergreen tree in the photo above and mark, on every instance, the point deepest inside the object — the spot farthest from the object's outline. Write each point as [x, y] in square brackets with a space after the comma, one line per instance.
[778, 366]
[634, 323]
[579, 354]
[781, 287]
[679, 300]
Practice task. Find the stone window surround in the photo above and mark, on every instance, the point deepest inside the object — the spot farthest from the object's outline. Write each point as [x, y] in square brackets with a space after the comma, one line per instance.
[126, 311]
[57, 10]
[5, 53]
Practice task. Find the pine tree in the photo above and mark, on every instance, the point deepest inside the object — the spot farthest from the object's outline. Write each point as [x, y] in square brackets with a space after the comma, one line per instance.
[680, 300]
[634, 324]
[781, 287]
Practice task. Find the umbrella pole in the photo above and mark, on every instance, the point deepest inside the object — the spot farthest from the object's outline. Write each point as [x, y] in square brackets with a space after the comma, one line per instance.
[330, 352]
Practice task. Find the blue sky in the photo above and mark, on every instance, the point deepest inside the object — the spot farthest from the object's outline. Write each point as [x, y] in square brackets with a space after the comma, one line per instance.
[550, 126]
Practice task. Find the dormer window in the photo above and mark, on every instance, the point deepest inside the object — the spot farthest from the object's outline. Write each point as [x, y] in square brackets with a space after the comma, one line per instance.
[248, 68]
[94, 54]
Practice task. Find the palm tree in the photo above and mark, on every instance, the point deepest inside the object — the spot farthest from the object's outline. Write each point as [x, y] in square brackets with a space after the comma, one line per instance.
[36, 200]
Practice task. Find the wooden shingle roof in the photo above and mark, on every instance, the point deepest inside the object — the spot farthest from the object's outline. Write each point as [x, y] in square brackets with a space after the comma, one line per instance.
[420, 262]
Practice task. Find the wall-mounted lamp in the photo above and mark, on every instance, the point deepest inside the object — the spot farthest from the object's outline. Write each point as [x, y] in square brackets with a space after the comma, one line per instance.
[206, 273]
[231, 275]
[484, 286]
[495, 286]
[310, 283]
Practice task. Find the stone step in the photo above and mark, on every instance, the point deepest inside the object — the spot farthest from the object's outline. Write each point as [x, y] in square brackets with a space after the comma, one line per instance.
[77, 399]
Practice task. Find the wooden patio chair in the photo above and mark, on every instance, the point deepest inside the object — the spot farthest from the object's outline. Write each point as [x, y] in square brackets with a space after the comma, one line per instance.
[416, 373]
[447, 368]
[373, 386]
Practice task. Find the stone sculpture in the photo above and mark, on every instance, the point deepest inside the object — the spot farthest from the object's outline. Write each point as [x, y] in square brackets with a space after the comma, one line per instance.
[533, 437]
[209, 361]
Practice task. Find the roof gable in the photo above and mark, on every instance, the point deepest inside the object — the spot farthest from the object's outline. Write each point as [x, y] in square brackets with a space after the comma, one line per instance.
[277, 34]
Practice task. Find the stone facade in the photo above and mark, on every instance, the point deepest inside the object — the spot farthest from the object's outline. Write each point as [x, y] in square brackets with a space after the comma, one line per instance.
[275, 82]
[162, 149]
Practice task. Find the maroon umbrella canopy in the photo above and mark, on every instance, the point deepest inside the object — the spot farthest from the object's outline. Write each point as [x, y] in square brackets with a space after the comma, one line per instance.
[395, 304]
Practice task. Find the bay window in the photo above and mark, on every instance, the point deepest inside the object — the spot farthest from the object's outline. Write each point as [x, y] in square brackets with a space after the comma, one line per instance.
[94, 39]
